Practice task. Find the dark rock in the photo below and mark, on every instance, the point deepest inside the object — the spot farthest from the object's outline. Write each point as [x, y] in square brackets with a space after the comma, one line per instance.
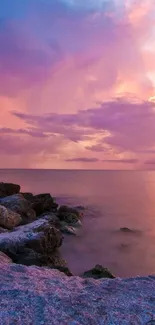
[125, 229]
[8, 218]
[41, 203]
[3, 230]
[27, 196]
[64, 269]
[7, 189]
[68, 230]
[98, 272]
[20, 205]
[64, 209]
[70, 216]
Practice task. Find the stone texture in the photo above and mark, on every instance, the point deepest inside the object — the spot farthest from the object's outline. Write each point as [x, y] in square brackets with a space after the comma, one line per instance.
[19, 204]
[39, 236]
[4, 259]
[40, 296]
[7, 189]
[41, 203]
[9, 219]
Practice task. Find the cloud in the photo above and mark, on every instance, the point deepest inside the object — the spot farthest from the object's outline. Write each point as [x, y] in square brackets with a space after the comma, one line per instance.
[83, 160]
[123, 124]
[121, 161]
[150, 162]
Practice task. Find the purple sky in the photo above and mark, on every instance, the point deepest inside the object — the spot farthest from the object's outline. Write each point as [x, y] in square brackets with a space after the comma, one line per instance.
[77, 84]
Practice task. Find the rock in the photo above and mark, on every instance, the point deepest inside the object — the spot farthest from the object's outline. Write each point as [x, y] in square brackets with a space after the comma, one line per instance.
[41, 203]
[36, 243]
[69, 215]
[34, 295]
[7, 189]
[2, 230]
[64, 209]
[8, 218]
[125, 229]
[68, 230]
[4, 259]
[27, 196]
[20, 205]
[98, 272]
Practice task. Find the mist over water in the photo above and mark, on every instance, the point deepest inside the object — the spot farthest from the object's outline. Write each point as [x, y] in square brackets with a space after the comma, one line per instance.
[113, 199]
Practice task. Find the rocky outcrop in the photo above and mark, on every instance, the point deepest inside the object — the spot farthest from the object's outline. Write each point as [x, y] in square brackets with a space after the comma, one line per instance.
[33, 295]
[8, 218]
[36, 243]
[98, 272]
[7, 189]
[41, 203]
[20, 205]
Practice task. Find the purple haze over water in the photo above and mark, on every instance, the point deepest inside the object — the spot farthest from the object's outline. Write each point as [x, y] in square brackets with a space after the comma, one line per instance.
[113, 199]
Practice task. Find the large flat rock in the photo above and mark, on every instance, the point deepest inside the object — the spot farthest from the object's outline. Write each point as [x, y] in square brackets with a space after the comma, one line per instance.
[37, 296]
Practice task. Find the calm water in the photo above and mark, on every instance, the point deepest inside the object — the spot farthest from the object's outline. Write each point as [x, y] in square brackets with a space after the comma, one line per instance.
[113, 199]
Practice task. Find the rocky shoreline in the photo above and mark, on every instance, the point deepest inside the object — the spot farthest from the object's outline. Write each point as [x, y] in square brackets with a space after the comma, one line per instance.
[36, 285]
[32, 229]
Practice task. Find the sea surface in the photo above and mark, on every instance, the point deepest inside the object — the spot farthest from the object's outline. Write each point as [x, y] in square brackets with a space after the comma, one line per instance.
[113, 199]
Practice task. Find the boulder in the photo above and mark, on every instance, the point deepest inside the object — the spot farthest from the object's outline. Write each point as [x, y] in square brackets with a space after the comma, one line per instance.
[20, 205]
[4, 259]
[41, 203]
[70, 216]
[40, 296]
[7, 189]
[125, 229]
[98, 272]
[36, 243]
[64, 209]
[8, 218]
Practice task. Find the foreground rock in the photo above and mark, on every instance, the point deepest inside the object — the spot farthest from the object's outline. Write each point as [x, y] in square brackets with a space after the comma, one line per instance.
[7, 189]
[20, 205]
[36, 243]
[8, 218]
[33, 295]
[98, 272]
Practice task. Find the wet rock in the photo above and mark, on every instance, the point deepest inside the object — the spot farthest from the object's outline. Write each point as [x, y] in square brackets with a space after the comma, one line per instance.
[68, 230]
[4, 259]
[70, 216]
[7, 189]
[125, 229]
[64, 209]
[8, 218]
[98, 272]
[38, 236]
[20, 205]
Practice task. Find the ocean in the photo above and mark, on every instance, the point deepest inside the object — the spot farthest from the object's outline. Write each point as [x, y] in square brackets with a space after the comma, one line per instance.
[113, 199]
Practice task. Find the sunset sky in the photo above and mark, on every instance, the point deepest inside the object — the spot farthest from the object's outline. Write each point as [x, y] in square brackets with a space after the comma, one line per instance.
[77, 84]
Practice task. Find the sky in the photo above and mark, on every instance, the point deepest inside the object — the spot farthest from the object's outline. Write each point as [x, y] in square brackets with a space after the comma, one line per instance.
[77, 84]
